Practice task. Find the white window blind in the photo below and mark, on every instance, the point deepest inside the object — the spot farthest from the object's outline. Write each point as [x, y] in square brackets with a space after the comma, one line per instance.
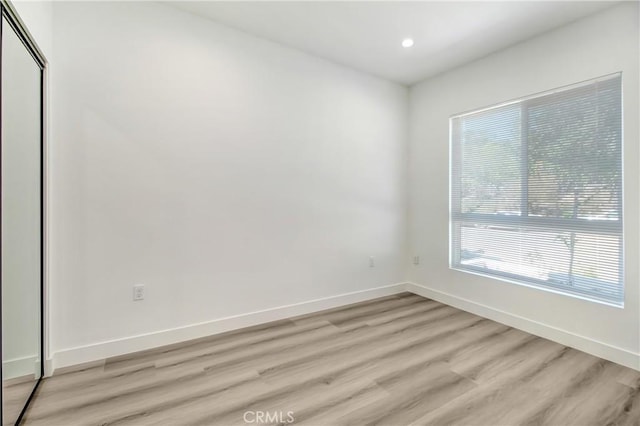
[536, 190]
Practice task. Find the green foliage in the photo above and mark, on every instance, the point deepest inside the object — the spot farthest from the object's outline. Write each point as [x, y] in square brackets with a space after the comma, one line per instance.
[491, 178]
[574, 158]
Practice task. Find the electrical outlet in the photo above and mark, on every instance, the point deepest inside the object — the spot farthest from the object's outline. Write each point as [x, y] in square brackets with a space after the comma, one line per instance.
[416, 260]
[372, 262]
[138, 292]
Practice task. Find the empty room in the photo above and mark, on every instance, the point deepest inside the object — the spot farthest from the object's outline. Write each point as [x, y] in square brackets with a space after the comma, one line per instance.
[322, 213]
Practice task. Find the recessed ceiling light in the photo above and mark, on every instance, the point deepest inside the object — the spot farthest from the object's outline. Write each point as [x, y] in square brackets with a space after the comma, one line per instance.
[407, 42]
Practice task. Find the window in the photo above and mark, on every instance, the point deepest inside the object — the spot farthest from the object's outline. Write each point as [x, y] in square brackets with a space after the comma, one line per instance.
[536, 190]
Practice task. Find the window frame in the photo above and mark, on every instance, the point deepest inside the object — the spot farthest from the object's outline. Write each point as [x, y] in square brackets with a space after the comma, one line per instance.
[524, 221]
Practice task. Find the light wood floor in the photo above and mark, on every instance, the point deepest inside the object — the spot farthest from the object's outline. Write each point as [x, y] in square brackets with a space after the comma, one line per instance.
[397, 360]
[15, 393]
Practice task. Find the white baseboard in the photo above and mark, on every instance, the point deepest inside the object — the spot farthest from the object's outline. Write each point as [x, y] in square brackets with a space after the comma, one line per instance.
[20, 367]
[102, 350]
[48, 367]
[583, 343]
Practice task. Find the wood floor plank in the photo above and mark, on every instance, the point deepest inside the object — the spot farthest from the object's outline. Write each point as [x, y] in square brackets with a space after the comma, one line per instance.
[413, 392]
[299, 397]
[394, 361]
[352, 309]
[15, 393]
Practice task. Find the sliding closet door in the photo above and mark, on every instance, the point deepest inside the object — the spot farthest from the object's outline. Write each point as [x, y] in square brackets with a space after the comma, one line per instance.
[21, 213]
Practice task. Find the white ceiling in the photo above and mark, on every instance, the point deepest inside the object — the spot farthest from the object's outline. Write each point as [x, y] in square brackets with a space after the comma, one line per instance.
[367, 35]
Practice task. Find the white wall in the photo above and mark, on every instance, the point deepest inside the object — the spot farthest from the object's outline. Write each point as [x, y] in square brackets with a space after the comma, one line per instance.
[598, 45]
[226, 173]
